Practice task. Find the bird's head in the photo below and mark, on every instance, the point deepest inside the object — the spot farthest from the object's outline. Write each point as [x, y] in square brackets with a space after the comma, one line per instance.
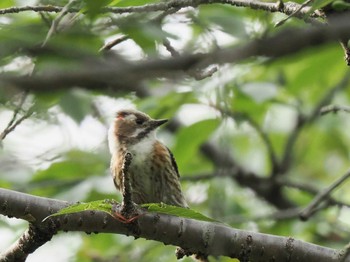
[131, 127]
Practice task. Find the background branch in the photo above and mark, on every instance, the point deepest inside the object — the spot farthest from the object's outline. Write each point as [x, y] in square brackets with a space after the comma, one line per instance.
[288, 8]
[302, 121]
[334, 109]
[98, 75]
[14, 122]
[309, 210]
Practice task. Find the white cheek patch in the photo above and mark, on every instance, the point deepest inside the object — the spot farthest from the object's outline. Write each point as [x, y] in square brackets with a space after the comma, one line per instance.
[137, 132]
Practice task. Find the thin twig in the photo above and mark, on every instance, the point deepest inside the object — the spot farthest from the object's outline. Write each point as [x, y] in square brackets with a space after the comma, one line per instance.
[14, 122]
[113, 43]
[170, 48]
[304, 120]
[281, 181]
[334, 109]
[297, 11]
[48, 8]
[265, 138]
[327, 98]
[57, 20]
[345, 46]
[267, 141]
[119, 40]
[288, 8]
[17, 109]
[307, 188]
[12, 128]
[196, 73]
[308, 211]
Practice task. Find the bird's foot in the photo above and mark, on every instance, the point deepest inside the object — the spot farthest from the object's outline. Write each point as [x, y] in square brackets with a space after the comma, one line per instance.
[126, 214]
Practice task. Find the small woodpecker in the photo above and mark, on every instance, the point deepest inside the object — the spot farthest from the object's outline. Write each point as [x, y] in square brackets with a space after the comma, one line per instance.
[153, 171]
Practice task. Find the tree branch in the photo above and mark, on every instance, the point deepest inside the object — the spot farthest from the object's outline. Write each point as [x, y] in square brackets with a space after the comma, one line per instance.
[287, 8]
[304, 120]
[217, 239]
[264, 187]
[225, 165]
[264, 137]
[102, 75]
[309, 210]
[14, 122]
[334, 109]
[54, 25]
[295, 13]
[33, 238]
[111, 44]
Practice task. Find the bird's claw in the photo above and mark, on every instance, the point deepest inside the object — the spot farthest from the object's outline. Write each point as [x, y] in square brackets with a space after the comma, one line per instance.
[125, 215]
[125, 220]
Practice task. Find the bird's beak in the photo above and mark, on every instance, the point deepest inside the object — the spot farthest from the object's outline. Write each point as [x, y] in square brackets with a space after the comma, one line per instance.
[156, 123]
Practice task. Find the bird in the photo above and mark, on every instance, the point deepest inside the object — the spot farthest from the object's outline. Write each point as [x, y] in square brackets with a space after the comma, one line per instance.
[153, 172]
[154, 175]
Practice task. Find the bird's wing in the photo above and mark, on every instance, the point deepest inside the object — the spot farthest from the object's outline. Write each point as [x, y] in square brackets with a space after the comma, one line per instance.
[173, 162]
[168, 188]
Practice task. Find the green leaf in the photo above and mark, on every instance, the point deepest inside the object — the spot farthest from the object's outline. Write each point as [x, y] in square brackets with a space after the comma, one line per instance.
[317, 4]
[165, 106]
[300, 71]
[107, 206]
[99, 205]
[144, 32]
[7, 3]
[246, 104]
[93, 7]
[177, 211]
[339, 5]
[77, 165]
[190, 138]
[228, 18]
[77, 104]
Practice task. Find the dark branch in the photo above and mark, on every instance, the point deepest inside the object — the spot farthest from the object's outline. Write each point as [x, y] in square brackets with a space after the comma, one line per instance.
[264, 187]
[33, 238]
[219, 239]
[226, 165]
[101, 75]
[302, 121]
[14, 122]
[265, 138]
[287, 8]
[323, 195]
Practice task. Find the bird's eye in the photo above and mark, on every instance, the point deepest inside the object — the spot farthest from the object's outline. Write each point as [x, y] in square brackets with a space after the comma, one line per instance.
[139, 121]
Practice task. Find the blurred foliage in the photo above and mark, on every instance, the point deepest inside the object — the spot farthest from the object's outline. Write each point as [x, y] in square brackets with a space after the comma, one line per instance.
[61, 150]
